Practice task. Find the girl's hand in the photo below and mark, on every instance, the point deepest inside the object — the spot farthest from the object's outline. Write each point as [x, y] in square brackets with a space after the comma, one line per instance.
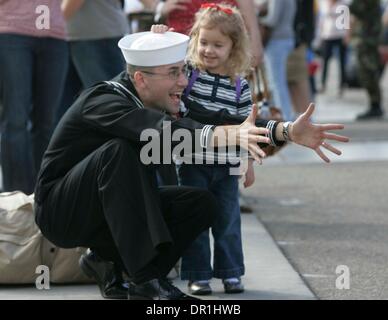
[160, 28]
[249, 175]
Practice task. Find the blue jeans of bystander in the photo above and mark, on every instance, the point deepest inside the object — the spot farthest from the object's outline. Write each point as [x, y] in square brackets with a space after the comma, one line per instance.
[276, 55]
[91, 61]
[32, 74]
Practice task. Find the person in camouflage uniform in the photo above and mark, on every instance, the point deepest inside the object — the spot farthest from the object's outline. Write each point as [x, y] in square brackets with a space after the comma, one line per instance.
[366, 36]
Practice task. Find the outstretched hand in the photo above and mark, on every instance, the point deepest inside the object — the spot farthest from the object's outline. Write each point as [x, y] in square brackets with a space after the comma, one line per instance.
[314, 136]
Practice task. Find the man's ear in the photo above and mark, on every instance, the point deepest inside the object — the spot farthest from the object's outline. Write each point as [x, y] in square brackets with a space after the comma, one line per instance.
[139, 79]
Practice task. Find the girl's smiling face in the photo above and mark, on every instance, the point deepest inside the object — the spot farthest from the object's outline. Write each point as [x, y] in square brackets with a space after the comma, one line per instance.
[214, 49]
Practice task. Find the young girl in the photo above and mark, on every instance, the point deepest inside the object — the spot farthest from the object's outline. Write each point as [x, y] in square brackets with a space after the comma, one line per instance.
[218, 56]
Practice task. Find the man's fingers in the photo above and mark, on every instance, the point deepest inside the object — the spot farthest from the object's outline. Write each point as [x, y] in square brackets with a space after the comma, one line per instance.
[252, 116]
[258, 131]
[310, 110]
[329, 147]
[254, 154]
[322, 155]
[331, 126]
[258, 151]
[259, 139]
[256, 157]
[255, 109]
[337, 137]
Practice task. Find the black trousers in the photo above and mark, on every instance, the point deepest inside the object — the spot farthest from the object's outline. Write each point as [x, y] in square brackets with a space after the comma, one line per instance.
[328, 46]
[111, 203]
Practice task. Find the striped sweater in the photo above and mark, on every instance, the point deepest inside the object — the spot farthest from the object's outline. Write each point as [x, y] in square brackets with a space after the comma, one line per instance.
[215, 92]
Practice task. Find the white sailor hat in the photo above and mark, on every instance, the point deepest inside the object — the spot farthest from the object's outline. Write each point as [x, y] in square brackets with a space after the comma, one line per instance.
[149, 49]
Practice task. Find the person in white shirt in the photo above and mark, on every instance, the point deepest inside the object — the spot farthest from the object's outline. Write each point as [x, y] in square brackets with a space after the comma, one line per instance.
[332, 35]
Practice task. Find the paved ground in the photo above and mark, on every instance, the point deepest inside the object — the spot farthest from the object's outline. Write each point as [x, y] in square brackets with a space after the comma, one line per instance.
[323, 217]
[268, 276]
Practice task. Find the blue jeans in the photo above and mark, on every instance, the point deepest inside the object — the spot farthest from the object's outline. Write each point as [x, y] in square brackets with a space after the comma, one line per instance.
[226, 230]
[276, 55]
[91, 61]
[32, 75]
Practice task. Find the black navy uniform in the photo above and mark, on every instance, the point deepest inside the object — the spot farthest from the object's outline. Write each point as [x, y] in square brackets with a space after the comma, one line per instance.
[93, 190]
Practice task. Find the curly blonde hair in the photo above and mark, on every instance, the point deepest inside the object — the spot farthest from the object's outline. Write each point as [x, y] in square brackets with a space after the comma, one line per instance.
[231, 25]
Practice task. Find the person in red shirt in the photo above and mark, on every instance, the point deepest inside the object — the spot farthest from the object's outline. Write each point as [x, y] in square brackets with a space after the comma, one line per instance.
[179, 14]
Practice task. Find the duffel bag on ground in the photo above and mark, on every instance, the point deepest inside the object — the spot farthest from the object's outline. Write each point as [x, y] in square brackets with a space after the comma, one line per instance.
[23, 247]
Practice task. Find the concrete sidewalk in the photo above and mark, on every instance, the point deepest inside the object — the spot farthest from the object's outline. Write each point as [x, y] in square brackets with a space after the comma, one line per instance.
[268, 275]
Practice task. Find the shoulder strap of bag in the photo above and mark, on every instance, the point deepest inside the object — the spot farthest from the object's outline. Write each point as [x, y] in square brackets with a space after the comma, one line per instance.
[193, 78]
[238, 89]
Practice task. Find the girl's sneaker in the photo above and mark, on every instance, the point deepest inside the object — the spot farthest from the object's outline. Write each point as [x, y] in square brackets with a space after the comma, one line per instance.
[233, 285]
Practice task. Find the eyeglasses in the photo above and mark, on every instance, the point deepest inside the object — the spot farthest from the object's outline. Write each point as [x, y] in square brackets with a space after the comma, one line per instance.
[173, 74]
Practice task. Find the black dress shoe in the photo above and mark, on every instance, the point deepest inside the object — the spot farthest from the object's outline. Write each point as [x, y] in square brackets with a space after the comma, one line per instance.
[371, 114]
[156, 289]
[233, 287]
[198, 288]
[109, 280]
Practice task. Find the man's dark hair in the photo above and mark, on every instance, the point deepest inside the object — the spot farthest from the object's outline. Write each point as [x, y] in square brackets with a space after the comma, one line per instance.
[131, 69]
